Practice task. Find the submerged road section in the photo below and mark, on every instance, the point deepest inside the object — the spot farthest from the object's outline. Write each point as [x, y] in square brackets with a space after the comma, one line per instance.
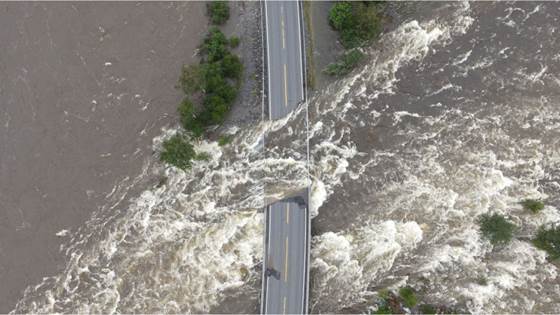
[285, 266]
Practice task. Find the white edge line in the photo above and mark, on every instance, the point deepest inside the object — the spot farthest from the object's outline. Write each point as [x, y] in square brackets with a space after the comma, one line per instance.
[265, 280]
[301, 56]
[264, 258]
[308, 214]
[268, 60]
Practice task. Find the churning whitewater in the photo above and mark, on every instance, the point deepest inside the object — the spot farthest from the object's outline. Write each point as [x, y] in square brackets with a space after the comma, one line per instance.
[455, 114]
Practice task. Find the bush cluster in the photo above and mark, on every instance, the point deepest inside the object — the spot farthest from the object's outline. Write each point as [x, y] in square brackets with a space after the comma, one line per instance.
[496, 228]
[214, 81]
[356, 21]
[178, 151]
[548, 239]
[217, 77]
[218, 11]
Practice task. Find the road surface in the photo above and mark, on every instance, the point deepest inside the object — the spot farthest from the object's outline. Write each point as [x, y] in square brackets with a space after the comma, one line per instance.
[285, 272]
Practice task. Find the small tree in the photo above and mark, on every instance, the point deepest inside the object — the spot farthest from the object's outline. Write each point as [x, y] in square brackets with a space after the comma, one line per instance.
[533, 205]
[178, 151]
[218, 12]
[496, 228]
[548, 239]
[341, 16]
[408, 296]
[356, 22]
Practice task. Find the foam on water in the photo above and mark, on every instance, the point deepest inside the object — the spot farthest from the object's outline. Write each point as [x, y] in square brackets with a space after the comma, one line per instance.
[352, 261]
[179, 247]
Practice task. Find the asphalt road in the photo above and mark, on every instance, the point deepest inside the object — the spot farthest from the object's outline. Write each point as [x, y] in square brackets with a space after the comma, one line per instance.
[285, 285]
[285, 65]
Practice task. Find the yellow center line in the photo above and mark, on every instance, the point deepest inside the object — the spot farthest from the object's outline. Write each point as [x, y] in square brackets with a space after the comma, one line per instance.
[284, 306]
[288, 213]
[286, 262]
[283, 32]
[285, 85]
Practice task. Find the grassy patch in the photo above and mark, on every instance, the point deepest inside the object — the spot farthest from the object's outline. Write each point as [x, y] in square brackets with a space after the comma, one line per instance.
[347, 63]
[427, 309]
[224, 140]
[408, 296]
[202, 156]
[384, 293]
[532, 205]
[310, 60]
[548, 239]
[383, 309]
[496, 228]
[234, 41]
[218, 11]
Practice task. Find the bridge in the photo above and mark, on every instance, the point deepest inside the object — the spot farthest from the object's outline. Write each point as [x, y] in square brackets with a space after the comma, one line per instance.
[285, 279]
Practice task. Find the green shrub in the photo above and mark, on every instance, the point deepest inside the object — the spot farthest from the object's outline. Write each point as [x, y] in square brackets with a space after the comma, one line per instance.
[226, 91]
[548, 239]
[224, 139]
[218, 12]
[357, 22]
[232, 66]
[212, 76]
[214, 45]
[216, 109]
[533, 205]
[408, 296]
[178, 151]
[496, 228]
[348, 62]
[427, 309]
[234, 41]
[341, 16]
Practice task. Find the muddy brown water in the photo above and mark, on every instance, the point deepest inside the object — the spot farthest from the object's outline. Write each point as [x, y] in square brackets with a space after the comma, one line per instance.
[84, 88]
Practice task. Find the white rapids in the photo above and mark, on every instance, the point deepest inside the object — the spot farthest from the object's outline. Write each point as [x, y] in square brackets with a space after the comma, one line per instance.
[407, 204]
